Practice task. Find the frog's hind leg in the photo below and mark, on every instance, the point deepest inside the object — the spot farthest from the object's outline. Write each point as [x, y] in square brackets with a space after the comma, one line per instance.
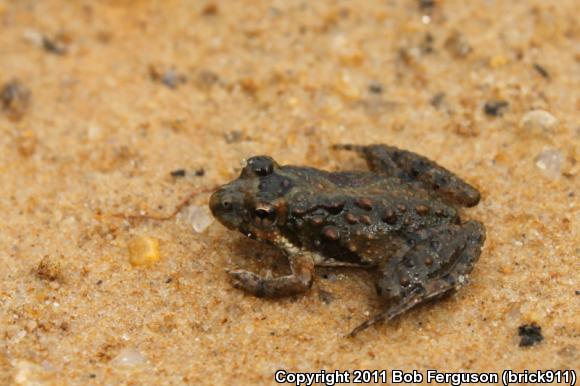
[411, 166]
[436, 266]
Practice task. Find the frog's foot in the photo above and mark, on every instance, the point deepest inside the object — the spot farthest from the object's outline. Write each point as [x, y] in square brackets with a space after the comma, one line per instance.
[299, 281]
[436, 266]
[405, 305]
[410, 166]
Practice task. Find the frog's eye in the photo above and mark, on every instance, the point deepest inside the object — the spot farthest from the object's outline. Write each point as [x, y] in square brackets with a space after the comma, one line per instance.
[264, 215]
[260, 166]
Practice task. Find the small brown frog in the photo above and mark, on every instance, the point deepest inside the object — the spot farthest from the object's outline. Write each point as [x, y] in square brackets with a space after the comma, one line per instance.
[400, 218]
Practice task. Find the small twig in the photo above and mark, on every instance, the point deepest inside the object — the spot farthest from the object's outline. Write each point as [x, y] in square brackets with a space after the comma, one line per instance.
[162, 217]
[542, 71]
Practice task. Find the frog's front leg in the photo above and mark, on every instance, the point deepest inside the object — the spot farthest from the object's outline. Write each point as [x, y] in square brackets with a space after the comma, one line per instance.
[437, 265]
[299, 281]
[411, 166]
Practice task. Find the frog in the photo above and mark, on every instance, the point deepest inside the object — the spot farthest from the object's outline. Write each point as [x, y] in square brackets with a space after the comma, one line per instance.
[400, 219]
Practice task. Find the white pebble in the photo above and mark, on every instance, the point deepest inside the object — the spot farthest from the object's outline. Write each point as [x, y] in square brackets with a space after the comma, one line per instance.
[28, 373]
[129, 357]
[19, 336]
[94, 132]
[538, 120]
[550, 162]
[200, 218]
[33, 36]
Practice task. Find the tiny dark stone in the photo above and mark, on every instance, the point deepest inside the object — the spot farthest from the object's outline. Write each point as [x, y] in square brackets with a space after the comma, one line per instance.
[92, 375]
[14, 98]
[172, 79]
[53, 46]
[495, 108]
[427, 44]
[437, 100]
[577, 292]
[178, 173]
[168, 77]
[376, 88]
[542, 71]
[233, 136]
[99, 282]
[426, 4]
[530, 334]
[210, 9]
[168, 280]
[206, 79]
[457, 44]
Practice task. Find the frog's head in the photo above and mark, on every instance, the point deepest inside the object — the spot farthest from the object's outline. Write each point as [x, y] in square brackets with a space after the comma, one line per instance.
[254, 203]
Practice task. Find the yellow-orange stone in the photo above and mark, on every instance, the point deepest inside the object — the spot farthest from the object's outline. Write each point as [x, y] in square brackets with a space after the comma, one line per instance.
[143, 250]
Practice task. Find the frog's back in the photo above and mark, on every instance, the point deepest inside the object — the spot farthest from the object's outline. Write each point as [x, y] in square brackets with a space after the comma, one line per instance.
[357, 216]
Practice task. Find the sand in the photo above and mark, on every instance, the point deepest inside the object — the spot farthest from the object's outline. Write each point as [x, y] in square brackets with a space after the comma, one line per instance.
[103, 100]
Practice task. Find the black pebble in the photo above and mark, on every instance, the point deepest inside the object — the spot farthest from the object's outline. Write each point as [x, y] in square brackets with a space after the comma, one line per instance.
[426, 4]
[530, 334]
[178, 173]
[437, 100]
[53, 46]
[376, 88]
[200, 172]
[495, 108]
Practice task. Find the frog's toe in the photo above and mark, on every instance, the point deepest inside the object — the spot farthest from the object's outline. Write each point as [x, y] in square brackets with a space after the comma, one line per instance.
[248, 281]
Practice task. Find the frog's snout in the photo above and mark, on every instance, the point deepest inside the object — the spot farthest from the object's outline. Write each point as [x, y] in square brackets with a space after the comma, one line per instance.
[221, 205]
[219, 202]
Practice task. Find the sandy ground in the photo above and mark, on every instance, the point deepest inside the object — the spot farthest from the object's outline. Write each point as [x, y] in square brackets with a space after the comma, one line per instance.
[101, 101]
